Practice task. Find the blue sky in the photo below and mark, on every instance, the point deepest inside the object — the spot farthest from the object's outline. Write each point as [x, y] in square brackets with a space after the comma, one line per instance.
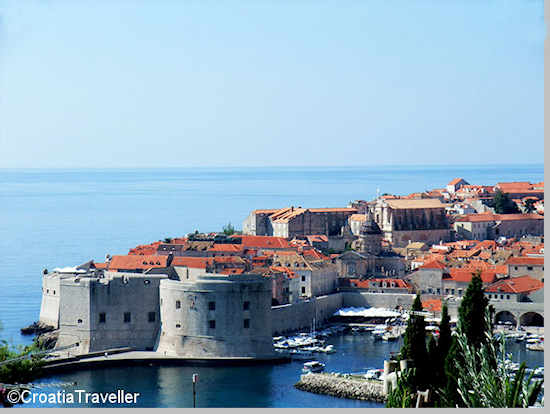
[253, 83]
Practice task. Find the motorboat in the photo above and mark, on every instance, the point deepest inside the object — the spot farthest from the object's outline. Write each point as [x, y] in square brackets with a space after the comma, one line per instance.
[313, 366]
[374, 374]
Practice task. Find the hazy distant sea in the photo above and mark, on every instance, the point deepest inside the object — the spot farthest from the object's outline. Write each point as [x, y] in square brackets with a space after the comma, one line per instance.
[55, 218]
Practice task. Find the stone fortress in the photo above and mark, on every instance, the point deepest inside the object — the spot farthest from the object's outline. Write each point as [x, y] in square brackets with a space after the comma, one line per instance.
[194, 315]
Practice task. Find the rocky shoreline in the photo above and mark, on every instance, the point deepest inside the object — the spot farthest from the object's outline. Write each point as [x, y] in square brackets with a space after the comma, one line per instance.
[342, 387]
[45, 335]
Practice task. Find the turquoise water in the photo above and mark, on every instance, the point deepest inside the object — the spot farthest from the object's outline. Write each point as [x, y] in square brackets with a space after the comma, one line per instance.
[52, 218]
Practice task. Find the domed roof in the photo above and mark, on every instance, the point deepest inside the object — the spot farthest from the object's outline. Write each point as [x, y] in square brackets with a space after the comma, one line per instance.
[369, 226]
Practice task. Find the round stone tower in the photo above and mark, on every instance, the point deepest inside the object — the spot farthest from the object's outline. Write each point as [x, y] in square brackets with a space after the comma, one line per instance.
[216, 316]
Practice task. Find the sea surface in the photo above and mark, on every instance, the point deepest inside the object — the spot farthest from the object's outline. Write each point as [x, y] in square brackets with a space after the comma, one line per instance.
[57, 218]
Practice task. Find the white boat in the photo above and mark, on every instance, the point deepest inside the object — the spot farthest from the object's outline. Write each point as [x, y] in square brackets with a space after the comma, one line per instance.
[390, 336]
[539, 346]
[313, 366]
[374, 374]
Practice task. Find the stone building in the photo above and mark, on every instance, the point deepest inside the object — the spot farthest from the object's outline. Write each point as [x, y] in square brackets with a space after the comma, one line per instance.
[487, 226]
[404, 220]
[216, 316]
[369, 258]
[531, 266]
[193, 315]
[105, 311]
[290, 222]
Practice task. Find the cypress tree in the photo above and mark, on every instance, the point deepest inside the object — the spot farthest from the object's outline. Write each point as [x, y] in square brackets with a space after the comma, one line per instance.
[414, 344]
[471, 313]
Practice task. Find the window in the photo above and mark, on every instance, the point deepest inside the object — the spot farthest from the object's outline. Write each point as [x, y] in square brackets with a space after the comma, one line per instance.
[151, 316]
[178, 304]
[246, 323]
[303, 278]
[438, 291]
[79, 321]
[459, 292]
[102, 317]
[502, 296]
[211, 305]
[54, 292]
[529, 267]
[446, 291]
[212, 324]
[452, 291]
[127, 317]
[303, 290]
[508, 297]
[246, 305]
[515, 268]
[178, 325]
[430, 290]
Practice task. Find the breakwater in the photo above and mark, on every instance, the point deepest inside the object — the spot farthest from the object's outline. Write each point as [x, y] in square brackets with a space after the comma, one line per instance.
[341, 386]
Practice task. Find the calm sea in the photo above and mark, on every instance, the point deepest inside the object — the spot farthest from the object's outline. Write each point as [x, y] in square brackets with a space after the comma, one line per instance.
[55, 218]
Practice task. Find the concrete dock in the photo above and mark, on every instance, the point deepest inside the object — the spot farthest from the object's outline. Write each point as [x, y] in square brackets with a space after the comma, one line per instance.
[126, 357]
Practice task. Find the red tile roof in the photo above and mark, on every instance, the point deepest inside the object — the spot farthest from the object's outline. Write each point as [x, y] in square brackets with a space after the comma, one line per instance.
[484, 217]
[130, 262]
[371, 283]
[455, 181]
[465, 275]
[435, 264]
[432, 305]
[521, 284]
[266, 242]
[525, 261]
[229, 248]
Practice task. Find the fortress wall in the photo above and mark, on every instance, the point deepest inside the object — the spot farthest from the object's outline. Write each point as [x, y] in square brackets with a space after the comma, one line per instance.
[300, 315]
[49, 308]
[83, 299]
[186, 314]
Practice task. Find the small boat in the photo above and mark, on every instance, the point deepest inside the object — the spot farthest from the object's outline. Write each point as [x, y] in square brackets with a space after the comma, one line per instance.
[313, 366]
[374, 374]
[390, 336]
[539, 346]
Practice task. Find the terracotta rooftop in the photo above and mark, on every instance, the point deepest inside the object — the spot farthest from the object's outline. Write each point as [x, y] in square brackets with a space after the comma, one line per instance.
[432, 305]
[525, 261]
[266, 242]
[421, 203]
[522, 284]
[434, 264]
[465, 275]
[456, 181]
[131, 262]
[369, 283]
[486, 217]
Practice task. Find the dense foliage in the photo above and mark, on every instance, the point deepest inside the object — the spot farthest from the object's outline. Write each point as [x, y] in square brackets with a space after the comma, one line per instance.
[503, 204]
[466, 369]
[20, 371]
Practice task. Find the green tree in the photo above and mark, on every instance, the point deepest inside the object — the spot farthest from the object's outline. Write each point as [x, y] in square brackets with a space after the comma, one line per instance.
[481, 383]
[228, 229]
[22, 370]
[471, 311]
[503, 204]
[414, 344]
